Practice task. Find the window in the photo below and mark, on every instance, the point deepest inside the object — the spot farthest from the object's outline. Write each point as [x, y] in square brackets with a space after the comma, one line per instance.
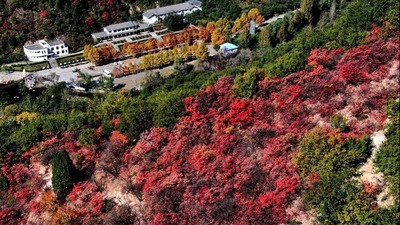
[58, 47]
[62, 52]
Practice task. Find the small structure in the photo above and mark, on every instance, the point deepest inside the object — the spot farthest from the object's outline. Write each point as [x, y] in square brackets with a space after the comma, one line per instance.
[42, 50]
[228, 49]
[252, 29]
[120, 30]
[156, 15]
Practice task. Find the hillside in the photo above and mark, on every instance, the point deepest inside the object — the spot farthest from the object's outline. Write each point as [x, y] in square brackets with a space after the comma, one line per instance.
[228, 160]
[301, 127]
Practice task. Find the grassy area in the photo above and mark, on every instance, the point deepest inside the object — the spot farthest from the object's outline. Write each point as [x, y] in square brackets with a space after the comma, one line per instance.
[70, 59]
[31, 67]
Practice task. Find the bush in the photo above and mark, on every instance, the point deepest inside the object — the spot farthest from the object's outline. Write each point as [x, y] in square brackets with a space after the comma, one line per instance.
[106, 129]
[387, 158]
[247, 84]
[63, 170]
[88, 137]
[4, 185]
[76, 121]
[339, 122]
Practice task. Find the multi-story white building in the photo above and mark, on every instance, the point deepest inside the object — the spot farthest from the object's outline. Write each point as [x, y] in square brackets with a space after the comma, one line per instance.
[156, 15]
[120, 30]
[42, 50]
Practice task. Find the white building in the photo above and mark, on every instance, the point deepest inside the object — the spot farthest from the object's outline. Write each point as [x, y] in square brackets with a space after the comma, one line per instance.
[120, 30]
[42, 50]
[156, 15]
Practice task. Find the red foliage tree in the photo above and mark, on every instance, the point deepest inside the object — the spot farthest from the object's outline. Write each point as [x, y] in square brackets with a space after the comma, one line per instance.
[89, 21]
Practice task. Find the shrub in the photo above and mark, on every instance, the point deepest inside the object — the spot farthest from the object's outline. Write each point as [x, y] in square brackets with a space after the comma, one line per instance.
[339, 122]
[88, 136]
[4, 185]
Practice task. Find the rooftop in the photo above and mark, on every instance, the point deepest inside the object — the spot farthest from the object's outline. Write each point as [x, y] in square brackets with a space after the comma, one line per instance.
[34, 47]
[120, 26]
[100, 35]
[55, 42]
[172, 8]
[229, 46]
[103, 34]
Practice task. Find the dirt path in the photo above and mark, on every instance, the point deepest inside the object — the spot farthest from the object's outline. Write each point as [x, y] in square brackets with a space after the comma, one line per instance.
[369, 171]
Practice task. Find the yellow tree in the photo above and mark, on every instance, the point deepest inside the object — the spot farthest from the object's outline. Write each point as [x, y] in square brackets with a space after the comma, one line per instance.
[254, 14]
[241, 23]
[210, 27]
[132, 68]
[95, 56]
[145, 62]
[217, 37]
[185, 52]
[163, 57]
[226, 28]
[86, 51]
[201, 51]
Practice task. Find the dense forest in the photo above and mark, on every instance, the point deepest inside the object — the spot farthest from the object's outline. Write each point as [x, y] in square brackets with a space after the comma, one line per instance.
[277, 137]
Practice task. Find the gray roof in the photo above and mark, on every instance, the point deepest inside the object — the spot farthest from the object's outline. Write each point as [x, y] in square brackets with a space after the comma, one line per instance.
[103, 34]
[34, 47]
[55, 42]
[172, 8]
[120, 26]
[100, 35]
[143, 26]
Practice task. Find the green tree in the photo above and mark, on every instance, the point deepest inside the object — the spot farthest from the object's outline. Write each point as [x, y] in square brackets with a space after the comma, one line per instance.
[264, 37]
[88, 136]
[339, 122]
[136, 117]
[247, 84]
[329, 155]
[87, 81]
[106, 129]
[387, 158]
[63, 170]
[244, 39]
[4, 184]
[311, 11]
[106, 83]
[174, 22]
[76, 120]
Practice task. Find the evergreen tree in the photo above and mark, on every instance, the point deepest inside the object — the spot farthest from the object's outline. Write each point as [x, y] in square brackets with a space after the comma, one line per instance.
[311, 11]
[63, 170]
[264, 37]
[244, 39]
